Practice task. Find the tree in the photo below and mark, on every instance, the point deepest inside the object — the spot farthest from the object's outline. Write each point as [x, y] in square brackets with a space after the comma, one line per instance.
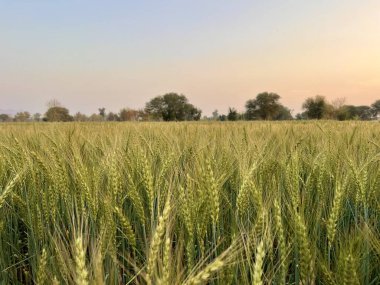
[143, 116]
[351, 112]
[102, 112]
[336, 109]
[22, 117]
[112, 117]
[128, 114]
[58, 114]
[95, 118]
[232, 114]
[156, 108]
[191, 113]
[329, 112]
[283, 114]
[79, 117]
[264, 107]
[364, 113]
[376, 108]
[346, 112]
[5, 118]
[301, 116]
[215, 115]
[172, 107]
[37, 117]
[222, 118]
[315, 108]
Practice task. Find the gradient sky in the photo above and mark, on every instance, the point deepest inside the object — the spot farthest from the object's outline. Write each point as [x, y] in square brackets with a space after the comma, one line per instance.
[219, 53]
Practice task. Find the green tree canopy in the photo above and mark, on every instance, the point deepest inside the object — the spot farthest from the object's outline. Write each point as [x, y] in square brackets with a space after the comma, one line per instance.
[128, 114]
[350, 112]
[5, 118]
[22, 117]
[232, 114]
[172, 107]
[315, 108]
[112, 117]
[79, 117]
[265, 106]
[58, 114]
[376, 108]
[283, 114]
[102, 112]
[215, 115]
[364, 112]
[37, 117]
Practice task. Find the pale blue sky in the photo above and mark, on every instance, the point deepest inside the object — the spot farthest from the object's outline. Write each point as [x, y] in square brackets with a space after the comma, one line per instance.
[115, 54]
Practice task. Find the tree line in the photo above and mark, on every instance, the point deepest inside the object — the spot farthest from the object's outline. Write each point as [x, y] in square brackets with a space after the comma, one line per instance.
[176, 107]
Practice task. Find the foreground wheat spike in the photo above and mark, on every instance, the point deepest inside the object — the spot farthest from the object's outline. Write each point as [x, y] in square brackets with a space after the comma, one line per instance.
[332, 221]
[126, 226]
[157, 241]
[258, 269]
[349, 275]
[8, 189]
[304, 250]
[212, 268]
[281, 240]
[41, 273]
[80, 263]
[203, 276]
[166, 262]
[213, 192]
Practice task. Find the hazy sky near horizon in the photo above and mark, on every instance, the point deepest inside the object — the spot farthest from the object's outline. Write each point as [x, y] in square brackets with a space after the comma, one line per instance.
[114, 54]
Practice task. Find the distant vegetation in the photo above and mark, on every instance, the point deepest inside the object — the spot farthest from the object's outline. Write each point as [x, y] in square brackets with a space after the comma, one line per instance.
[194, 203]
[176, 107]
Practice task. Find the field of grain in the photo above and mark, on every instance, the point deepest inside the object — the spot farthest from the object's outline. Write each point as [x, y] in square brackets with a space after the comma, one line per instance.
[190, 203]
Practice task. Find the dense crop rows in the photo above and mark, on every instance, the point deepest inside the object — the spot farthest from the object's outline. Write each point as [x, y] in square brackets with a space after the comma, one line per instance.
[190, 203]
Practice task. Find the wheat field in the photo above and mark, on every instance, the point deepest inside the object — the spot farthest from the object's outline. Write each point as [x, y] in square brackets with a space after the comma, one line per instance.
[190, 203]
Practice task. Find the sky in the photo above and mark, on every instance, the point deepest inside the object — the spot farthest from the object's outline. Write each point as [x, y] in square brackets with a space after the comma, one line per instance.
[121, 53]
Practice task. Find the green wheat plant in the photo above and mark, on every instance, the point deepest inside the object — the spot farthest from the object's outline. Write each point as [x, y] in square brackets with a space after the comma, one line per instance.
[190, 203]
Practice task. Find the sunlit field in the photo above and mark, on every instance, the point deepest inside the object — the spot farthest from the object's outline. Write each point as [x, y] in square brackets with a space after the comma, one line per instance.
[190, 203]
